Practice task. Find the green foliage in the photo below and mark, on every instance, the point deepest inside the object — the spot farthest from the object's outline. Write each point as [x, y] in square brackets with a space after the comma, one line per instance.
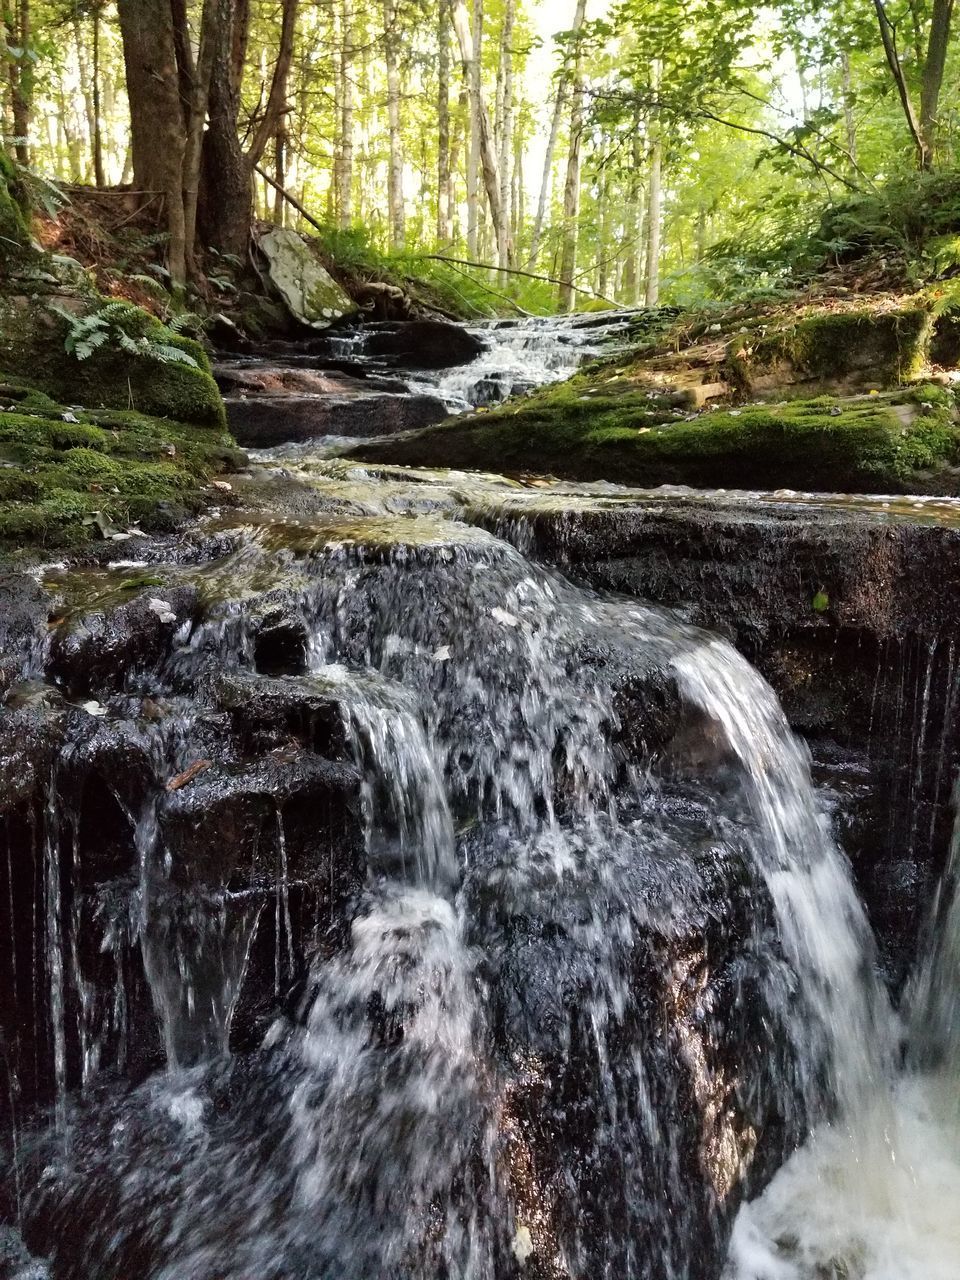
[64, 483]
[119, 325]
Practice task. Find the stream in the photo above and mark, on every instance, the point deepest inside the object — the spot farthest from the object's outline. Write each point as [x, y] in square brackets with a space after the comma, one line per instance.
[386, 898]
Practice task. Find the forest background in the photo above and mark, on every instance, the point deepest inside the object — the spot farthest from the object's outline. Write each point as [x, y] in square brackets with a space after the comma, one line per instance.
[637, 152]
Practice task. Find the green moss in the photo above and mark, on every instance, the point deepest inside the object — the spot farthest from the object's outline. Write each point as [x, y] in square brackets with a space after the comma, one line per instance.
[32, 339]
[64, 483]
[890, 347]
[857, 445]
[14, 232]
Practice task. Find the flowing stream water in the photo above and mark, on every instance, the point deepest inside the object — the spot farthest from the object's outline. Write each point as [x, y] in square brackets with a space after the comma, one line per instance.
[604, 946]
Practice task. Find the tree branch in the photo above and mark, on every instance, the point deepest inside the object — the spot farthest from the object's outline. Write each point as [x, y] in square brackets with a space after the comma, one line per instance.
[276, 101]
[513, 271]
[888, 34]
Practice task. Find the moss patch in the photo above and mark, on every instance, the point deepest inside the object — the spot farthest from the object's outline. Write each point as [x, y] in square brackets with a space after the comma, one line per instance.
[888, 346]
[858, 445]
[67, 482]
[32, 338]
[14, 233]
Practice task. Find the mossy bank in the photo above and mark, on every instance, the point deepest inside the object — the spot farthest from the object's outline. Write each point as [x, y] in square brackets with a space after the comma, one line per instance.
[125, 433]
[801, 401]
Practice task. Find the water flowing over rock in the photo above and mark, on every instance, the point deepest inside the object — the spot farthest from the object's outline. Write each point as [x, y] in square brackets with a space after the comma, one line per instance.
[401, 882]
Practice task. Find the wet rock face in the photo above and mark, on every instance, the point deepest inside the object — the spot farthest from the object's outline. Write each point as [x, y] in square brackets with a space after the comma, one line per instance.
[260, 421]
[854, 622]
[421, 344]
[224, 799]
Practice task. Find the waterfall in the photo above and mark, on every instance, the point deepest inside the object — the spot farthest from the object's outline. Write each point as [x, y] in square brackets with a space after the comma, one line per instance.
[604, 944]
[873, 1195]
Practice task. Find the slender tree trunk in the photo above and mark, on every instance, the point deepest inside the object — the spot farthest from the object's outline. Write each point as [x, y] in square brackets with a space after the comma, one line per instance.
[517, 204]
[344, 171]
[472, 73]
[86, 80]
[888, 35]
[201, 75]
[546, 180]
[395, 204]
[850, 121]
[933, 71]
[156, 121]
[603, 228]
[21, 78]
[654, 214]
[571, 189]
[630, 282]
[505, 79]
[444, 207]
[280, 174]
[478, 111]
[99, 176]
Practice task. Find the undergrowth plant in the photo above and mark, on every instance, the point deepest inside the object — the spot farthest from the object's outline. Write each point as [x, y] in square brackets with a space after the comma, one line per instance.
[115, 327]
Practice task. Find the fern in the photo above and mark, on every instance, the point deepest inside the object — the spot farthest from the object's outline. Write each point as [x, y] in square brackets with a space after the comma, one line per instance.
[149, 285]
[187, 322]
[109, 328]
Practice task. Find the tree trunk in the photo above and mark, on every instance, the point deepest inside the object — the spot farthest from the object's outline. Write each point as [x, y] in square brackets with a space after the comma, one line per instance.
[933, 70]
[849, 118]
[344, 168]
[571, 188]
[86, 81]
[280, 174]
[888, 36]
[478, 111]
[226, 196]
[634, 223]
[21, 79]
[444, 202]
[99, 176]
[472, 75]
[395, 205]
[654, 213]
[546, 180]
[506, 113]
[201, 74]
[156, 122]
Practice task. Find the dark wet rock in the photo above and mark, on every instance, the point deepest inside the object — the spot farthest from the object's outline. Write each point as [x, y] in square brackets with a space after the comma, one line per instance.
[852, 618]
[711, 1064]
[421, 344]
[105, 647]
[264, 420]
[226, 824]
[16, 1263]
[279, 379]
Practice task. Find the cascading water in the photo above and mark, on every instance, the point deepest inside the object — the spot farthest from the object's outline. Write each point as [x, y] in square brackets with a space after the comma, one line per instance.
[605, 944]
[873, 1195]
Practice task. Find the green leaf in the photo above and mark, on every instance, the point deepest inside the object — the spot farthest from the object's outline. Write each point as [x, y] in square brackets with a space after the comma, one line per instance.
[820, 602]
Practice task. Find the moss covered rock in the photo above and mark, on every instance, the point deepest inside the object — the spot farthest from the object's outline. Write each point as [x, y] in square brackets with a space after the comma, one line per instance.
[873, 443]
[14, 232]
[884, 346]
[134, 365]
[69, 477]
